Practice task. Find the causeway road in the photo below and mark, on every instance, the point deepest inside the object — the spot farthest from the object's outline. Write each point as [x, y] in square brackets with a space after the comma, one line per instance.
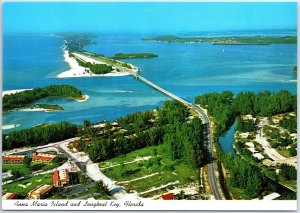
[206, 122]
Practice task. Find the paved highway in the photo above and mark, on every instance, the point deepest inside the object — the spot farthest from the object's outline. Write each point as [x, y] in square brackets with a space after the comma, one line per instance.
[205, 119]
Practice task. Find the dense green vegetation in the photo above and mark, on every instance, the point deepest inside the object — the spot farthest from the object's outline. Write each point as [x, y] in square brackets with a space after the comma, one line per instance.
[182, 140]
[95, 68]
[136, 122]
[134, 55]
[289, 124]
[119, 65]
[22, 99]
[243, 175]
[265, 103]
[75, 41]
[39, 135]
[244, 125]
[220, 107]
[235, 40]
[288, 172]
[224, 108]
[295, 69]
[49, 107]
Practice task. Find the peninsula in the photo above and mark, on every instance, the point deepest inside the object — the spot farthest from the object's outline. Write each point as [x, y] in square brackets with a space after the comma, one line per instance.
[234, 40]
[87, 64]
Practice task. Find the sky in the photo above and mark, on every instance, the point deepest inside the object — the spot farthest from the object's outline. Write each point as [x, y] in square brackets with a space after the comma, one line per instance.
[38, 17]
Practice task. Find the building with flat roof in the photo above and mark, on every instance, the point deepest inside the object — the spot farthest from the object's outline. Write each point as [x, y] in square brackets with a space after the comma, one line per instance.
[39, 192]
[60, 177]
[13, 159]
[42, 158]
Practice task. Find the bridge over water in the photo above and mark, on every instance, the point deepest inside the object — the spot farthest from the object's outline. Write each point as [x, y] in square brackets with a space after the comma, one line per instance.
[205, 119]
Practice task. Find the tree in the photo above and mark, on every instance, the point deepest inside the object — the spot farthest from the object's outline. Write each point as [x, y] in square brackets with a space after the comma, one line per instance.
[102, 188]
[16, 174]
[23, 98]
[27, 161]
[39, 135]
[288, 172]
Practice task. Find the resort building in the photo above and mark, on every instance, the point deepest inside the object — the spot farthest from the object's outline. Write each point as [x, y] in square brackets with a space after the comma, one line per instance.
[39, 192]
[8, 195]
[60, 177]
[13, 159]
[42, 158]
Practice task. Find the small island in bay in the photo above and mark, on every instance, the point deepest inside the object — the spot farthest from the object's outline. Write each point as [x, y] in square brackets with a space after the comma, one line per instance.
[49, 107]
[134, 55]
[24, 98]
[235, 40]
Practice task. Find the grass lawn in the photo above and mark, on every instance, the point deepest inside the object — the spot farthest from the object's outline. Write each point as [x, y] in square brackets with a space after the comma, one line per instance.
[21, 168]
[152, 182]
[149, 151]
[168, 171]
[28, 183]
[51, 166]
[290, 183]
[238, 193]
[283, 151]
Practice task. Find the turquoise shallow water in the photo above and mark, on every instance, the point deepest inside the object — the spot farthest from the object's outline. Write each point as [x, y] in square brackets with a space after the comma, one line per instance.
[186, 70]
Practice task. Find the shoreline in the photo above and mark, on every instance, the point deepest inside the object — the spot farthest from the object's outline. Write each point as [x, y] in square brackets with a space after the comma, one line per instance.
[77, 71]
[86, 97]
[37, 109]
[10, 126]
[9, 92]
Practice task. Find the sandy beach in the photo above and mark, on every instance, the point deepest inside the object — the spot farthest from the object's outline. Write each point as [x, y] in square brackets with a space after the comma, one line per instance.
[10, 126]
[78, 71]
[8, 92]
[35, 109]
[86, 97]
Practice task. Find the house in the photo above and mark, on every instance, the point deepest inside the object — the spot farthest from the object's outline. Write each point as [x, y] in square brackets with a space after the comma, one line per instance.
[42, 158]
[8, 196]
[60, 177]
[39, 192]
[13, 159]
[169, 196]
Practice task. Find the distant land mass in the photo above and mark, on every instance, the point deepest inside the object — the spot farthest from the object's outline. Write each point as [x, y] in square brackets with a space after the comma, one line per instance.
[234, 40]
[134, 55]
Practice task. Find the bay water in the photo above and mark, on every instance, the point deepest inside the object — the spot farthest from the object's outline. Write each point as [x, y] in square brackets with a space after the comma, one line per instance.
[185, 69]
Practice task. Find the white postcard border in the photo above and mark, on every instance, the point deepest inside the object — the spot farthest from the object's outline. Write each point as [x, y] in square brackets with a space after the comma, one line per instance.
[209, 205]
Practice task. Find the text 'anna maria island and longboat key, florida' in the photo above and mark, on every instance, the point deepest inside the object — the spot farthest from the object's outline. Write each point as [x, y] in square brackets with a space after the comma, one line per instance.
[219, 145]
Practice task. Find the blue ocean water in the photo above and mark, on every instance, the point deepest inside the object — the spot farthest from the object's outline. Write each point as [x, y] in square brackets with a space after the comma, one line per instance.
[187, 70]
